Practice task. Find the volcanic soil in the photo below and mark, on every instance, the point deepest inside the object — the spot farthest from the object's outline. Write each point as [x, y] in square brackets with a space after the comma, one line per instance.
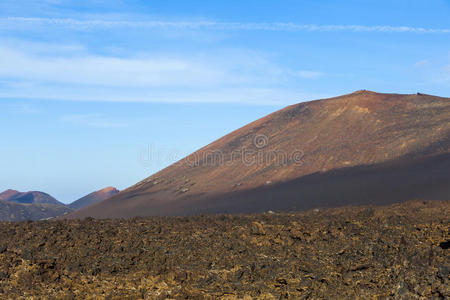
[399, 251]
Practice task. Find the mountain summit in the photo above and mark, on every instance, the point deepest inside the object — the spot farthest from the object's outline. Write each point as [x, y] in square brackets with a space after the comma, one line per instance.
[94, 197]
[18, 206]
[360, 148]
[32, 197]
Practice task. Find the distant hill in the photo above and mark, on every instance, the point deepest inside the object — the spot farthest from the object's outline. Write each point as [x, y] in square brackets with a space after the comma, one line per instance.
[360, 148]
[11, 211]
[18, 206]
[33, 197]
[94, 198]
[8, 194]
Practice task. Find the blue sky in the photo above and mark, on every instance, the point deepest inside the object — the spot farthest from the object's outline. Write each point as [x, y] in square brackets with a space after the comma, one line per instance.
[88, 89]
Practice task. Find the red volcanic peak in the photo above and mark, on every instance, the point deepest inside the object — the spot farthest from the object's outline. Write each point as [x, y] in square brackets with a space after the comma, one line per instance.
[8, 194]
[33, 197]
[94, 197]
[360, 148]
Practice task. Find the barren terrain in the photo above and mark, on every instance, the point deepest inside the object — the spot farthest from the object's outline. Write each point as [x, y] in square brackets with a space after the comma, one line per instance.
[398, 251]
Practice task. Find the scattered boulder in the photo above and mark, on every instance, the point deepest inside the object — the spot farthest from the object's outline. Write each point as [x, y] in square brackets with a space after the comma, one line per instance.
[257, 229]
[444, 272]
[445, 245]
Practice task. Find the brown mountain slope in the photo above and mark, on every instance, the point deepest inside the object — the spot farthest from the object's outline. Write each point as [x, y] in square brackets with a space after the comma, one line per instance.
[94, 197]
[28, 197]
[360, 148]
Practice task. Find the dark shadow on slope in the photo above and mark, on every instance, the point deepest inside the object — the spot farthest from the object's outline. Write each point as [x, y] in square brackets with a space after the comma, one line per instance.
[399, 181]
[396, 181]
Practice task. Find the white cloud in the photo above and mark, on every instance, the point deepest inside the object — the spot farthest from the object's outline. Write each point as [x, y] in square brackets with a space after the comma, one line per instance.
[307, 74]
[446, 74]
[42, 48]
[213, 69]
[433, 71]
[228, 76]
[212, 25]
[102, 70]
[260, 96]
[422, 63]
[92, 120]
[22, 108]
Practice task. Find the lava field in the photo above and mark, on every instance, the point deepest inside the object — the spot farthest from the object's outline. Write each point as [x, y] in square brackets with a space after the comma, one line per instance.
[399, 251]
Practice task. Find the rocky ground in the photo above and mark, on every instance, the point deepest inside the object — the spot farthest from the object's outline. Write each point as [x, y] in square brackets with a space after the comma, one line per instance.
[399, 251]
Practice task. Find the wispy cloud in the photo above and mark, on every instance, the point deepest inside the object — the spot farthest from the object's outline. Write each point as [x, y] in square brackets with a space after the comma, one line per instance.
[447, 71]
[92, 120]
[22, 108]
[307, 74]
[104, 70]
[443, 75]
[213, 25]
[434, 72]
[422, 63]
[237, 76]
[260, 96]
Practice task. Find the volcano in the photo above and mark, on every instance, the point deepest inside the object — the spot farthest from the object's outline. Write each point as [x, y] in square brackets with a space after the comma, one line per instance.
[34, 205]
[94, 197]
[33, 197]
[360, 148]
